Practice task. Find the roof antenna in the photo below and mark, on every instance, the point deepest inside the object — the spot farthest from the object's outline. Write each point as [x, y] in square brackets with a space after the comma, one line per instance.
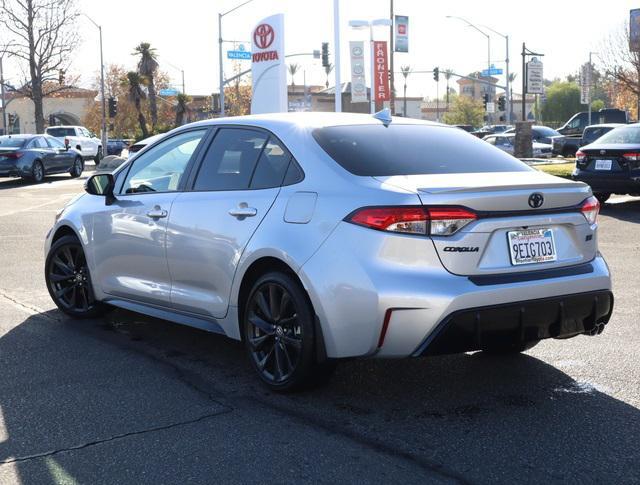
[384, 116]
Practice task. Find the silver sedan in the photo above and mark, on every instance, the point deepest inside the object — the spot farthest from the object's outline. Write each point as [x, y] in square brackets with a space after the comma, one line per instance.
[316, 237]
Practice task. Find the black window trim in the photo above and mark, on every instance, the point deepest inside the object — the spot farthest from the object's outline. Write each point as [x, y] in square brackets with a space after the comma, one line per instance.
[190, 184]
[187, 171]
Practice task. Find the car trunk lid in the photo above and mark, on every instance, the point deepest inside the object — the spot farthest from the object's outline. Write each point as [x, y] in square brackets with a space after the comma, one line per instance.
[502, 203]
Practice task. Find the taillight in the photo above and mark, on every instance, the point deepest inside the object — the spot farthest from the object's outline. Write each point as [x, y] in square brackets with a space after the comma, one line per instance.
[435, 221]
[633, 156]
[590, 208]
[13, 155]
[580, 156]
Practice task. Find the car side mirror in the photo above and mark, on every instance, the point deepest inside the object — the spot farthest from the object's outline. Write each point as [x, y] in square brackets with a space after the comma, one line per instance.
[101, 184]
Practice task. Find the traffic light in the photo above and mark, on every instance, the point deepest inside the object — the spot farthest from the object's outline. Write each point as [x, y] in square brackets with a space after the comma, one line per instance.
[61, 73]
[485, 100]
[502, 103]
[113, 107]
[52, 120]
[325, 54]
[436, 74]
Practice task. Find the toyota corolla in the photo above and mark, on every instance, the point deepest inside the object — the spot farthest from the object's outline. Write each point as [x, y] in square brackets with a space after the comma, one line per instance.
[316, 237]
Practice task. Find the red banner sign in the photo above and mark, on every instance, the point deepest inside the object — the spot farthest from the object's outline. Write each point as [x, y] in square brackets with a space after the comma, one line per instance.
[381, 72]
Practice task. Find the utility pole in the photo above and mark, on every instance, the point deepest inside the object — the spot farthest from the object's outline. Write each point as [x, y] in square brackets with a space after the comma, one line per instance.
[336, 67]
[4, 105]
[221, 70]
[392, 102]
[524, 82]
[105, 136]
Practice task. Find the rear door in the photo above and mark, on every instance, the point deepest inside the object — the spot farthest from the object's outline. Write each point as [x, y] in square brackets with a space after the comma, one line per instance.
[45, 154]
[233, 189]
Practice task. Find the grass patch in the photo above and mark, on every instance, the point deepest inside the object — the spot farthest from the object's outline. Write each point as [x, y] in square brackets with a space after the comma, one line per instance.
[559, 169]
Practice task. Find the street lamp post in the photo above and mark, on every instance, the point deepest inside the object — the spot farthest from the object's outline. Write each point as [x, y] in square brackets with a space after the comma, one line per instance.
[4, 106]
[363, 24]
[508, 81]
[220, 41]
[104, 134]
[336, 66]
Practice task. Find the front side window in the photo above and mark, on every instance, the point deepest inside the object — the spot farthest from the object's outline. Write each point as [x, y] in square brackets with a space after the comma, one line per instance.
[54, 142]
[378, 150]
[231, 159]
[161, 168]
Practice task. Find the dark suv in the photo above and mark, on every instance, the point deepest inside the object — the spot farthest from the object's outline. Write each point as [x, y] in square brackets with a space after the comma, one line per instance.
[611, 165]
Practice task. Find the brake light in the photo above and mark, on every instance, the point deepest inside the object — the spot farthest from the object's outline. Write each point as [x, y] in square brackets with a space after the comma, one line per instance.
[435, 221]
[633, 156]
[590, 209]
[580, 156]
[13, 155]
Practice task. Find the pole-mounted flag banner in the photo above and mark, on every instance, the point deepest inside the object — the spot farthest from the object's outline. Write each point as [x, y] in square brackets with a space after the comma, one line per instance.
[381, 89]
[401, 28]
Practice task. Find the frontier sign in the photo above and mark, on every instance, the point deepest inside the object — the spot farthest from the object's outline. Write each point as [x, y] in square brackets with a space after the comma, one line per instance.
[268, 70]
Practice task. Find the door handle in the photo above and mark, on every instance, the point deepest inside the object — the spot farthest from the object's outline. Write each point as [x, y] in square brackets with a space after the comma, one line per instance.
[243, 210]
[157, 213]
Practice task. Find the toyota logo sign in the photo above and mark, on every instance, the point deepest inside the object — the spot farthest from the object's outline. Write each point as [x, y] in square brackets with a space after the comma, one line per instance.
[263, 36]
[536, 200]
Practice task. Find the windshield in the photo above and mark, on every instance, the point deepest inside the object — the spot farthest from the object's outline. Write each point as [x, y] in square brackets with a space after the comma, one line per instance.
[376, 150]
[11, 141]
[60, 132]
[546, 131]
[624, 134]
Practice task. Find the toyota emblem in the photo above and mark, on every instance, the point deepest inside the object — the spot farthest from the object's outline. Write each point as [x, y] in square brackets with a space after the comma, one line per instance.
[536, 200]
[263, 36]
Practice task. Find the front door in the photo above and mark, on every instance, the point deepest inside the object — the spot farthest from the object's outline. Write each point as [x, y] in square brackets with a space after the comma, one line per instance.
[62, 158]
[128, 236]
[209, 227]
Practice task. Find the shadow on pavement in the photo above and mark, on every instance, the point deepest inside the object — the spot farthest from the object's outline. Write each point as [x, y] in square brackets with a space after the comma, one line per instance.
[466, 418]
[624, 211]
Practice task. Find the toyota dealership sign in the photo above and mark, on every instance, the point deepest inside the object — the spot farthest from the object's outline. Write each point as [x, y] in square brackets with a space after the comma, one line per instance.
[268, 68]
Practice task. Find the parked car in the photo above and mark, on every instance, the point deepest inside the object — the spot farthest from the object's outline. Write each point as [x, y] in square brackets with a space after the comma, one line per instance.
[611, 164]
[506, 142]
[81, 139]
[319, 236]
[35, 156]
[139, 145]
[490, 130]
[116, 147]
[467, 128]
[568, 145]
[539, 133]
[579, 121]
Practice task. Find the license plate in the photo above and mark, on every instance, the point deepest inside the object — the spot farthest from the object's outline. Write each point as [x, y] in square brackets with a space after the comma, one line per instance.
[603, 164]
[531, 246]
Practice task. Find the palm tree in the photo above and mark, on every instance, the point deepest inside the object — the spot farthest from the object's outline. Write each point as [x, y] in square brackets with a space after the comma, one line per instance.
[447, 75]
[293, 69]
[147, 67]
[136, 94]
[327, 69]
[182, 110]
[406, 70]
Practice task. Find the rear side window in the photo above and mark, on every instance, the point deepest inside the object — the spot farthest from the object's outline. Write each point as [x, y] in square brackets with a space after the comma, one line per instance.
[230, 160]
[272, 166]
[376, 150]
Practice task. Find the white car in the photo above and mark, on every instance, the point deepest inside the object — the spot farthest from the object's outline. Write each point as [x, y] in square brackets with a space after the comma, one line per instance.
[81, 139]
[506, 142]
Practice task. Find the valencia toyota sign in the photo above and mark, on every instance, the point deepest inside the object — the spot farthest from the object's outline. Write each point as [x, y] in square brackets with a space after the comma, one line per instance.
[268, 69]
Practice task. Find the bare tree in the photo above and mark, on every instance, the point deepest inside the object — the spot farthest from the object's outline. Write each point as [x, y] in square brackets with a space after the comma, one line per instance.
[620, 62]
[43, 35]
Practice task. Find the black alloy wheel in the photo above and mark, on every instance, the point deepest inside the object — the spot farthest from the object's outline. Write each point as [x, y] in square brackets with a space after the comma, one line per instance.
[37, 172]
[68, 279]
[76, 169]
[279, 334]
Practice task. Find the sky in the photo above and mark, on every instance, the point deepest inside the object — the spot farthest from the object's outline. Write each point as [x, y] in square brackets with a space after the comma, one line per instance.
[185, 35]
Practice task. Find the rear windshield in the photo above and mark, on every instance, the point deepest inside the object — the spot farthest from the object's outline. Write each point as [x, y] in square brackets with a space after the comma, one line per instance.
[11, 141]
[624, 134]
[60, 132]
[376, 150]
[545, 131]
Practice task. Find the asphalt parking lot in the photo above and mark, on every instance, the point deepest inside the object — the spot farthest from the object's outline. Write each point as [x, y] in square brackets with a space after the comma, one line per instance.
[128, 399]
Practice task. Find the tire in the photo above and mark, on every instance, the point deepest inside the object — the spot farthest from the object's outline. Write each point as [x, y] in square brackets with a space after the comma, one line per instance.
[37, 172]
[279, 335]
[98, 156]
[68, 279]
[511, 349]
[76, 169]
[602, 197]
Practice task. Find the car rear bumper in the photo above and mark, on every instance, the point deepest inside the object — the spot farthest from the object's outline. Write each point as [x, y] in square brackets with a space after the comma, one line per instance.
[513, 324]
[617, 183]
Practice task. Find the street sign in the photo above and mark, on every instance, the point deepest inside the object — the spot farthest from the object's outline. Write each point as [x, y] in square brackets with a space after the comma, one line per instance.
[491, 107]
[239, 55]
[168, 92]
[492, 71]
[535, 79]
[401, 26]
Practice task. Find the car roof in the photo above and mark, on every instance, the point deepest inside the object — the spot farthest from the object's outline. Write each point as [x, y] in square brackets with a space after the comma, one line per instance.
[609, 125]
[310, 120]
